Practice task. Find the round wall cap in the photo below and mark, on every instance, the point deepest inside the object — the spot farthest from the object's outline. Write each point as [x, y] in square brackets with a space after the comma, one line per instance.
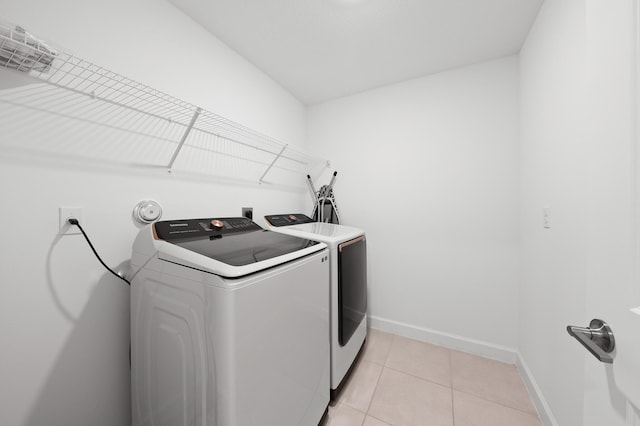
[147, 211]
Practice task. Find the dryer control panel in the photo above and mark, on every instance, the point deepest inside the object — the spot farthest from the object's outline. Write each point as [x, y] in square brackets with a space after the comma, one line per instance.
[287, 219]
[193, 228]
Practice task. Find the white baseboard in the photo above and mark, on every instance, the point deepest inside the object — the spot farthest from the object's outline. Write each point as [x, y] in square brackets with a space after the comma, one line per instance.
[544, 411]
[451, 341]
[476, 347]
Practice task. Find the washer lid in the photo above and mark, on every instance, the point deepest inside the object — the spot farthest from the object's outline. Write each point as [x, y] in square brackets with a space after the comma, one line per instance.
[239, 246]
[329, 233]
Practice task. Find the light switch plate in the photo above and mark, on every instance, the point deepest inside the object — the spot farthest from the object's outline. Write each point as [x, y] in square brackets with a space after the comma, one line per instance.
[546, 217]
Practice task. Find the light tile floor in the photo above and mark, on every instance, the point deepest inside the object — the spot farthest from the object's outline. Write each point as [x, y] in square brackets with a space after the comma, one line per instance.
[404, 382]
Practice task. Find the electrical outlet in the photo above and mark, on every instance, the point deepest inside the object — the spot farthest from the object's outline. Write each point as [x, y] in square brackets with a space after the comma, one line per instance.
[67, 213]
[247, 212]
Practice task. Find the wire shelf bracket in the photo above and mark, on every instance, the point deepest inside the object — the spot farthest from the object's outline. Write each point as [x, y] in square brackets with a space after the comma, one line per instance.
[272, 163]
[184, 137]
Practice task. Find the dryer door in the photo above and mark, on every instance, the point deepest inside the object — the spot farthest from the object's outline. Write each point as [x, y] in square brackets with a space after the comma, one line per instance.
[352, 287]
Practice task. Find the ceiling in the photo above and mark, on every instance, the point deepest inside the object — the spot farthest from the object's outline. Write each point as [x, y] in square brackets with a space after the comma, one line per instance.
[324, 49]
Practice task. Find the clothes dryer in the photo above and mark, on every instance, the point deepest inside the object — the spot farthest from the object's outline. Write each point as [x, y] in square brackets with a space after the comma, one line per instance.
[229, 325]
[347, 283]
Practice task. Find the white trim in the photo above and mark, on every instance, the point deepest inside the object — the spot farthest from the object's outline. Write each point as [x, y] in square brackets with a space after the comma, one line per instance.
[451, 341]
[544, 411]
[632, 414]
[635, 131]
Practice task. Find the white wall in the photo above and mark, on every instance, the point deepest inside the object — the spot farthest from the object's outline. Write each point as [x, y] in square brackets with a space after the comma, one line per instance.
[554, 158]
[64, 321]
[429, 168]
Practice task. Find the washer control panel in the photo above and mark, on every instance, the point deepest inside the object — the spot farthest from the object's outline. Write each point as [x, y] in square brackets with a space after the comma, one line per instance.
[278, 220]
[193, 228]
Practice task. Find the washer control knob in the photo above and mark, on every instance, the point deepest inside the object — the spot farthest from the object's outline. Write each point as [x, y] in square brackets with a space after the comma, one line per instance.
[293, 217]
[217, 225]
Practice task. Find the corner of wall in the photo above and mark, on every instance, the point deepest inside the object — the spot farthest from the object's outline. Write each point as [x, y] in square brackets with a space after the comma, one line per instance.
[543, 409]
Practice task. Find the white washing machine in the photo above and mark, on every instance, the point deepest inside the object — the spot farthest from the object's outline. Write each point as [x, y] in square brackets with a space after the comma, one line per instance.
[229, 326]
[348, 286]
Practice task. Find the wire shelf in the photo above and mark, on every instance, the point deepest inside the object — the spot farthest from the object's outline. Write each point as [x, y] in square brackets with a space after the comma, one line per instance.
[194, 133]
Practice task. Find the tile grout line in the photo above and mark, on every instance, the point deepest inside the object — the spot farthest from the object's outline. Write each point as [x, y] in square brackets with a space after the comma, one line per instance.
[386, 357]
[374, 417]
[418, 377]
[498, 403]
[375, 388]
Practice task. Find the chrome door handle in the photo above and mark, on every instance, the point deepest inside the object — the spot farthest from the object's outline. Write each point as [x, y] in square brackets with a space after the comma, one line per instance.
[597, 338]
